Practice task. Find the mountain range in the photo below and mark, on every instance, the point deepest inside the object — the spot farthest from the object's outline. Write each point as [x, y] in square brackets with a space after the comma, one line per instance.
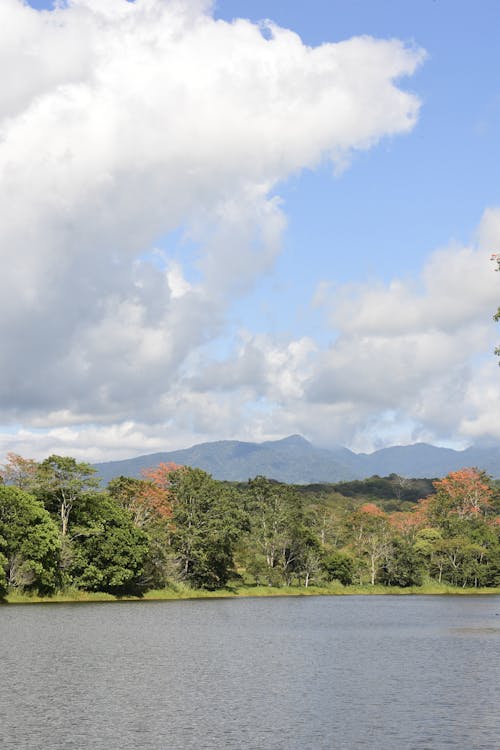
[296, 461]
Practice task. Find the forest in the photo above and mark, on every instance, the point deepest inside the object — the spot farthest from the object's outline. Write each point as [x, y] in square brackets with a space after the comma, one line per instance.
[61, 531]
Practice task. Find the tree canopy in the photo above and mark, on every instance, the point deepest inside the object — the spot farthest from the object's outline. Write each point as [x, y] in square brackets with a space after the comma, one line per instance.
[60, 530]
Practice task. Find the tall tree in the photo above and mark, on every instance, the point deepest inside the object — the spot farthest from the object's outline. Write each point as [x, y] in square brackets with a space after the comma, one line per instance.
[372, 540]
[207, 522]
[20, 472]
[150, 508]
[107, 551]
[61, 483]
[466, 493]
[29, 542]
[280, 530]
[402, 565]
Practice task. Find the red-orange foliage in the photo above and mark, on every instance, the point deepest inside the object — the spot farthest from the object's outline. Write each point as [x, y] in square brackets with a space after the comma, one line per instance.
[372, 510]
[466, 491]
[19, 471]
[160, 475]
[155, 495]
[423, 512]
[407, 523]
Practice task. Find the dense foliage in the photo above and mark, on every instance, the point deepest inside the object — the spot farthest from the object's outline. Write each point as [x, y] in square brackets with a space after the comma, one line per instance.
[59, 530]
[29, 542]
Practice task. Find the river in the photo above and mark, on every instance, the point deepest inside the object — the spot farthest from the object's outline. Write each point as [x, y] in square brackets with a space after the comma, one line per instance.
[346, 673]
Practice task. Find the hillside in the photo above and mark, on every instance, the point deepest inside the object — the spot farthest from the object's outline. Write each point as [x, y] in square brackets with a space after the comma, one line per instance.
[296, 461]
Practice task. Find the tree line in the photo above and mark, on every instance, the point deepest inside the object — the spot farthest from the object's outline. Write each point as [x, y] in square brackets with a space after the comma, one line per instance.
[59, 530]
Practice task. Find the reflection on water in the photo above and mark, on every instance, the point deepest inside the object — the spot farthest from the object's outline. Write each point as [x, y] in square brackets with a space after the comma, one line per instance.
[383, 672]
[474, 631]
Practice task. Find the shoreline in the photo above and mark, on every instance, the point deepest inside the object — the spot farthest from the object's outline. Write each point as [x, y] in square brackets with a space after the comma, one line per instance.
[183, 593]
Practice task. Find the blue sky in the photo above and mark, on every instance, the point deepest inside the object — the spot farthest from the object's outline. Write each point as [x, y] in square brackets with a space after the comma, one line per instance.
[364, 315]
[410, 195]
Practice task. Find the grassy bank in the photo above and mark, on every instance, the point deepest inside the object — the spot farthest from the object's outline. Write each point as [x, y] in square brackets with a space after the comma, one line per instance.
[185, 592]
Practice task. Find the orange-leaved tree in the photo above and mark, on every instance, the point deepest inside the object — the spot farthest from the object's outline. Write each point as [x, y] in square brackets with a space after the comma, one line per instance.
[466, 493]
[156, 491]
[18, 471]
[407, 523]
[147, 499]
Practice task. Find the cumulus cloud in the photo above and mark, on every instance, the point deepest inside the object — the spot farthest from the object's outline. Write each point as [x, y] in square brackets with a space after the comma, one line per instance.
[121, 122]
[394, 338]
[420, 350]
[410, 360]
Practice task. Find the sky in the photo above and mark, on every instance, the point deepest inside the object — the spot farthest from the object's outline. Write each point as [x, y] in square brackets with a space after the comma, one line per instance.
[245, 220]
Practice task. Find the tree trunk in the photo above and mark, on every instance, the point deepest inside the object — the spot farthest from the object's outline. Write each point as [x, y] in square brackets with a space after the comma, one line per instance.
[64, 518]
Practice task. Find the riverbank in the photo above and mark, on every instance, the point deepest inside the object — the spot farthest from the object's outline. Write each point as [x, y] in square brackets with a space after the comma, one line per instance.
[180, 592]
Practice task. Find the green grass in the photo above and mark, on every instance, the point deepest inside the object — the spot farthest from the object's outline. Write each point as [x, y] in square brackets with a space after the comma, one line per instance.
[182, 591]
[72, 595]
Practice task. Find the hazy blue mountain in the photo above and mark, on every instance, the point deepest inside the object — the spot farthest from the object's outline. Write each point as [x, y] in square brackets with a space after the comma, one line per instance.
[292, 459]
[417, 460]
[297, 461]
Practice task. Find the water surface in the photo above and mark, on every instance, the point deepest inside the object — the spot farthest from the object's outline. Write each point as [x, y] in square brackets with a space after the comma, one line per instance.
[381, 672]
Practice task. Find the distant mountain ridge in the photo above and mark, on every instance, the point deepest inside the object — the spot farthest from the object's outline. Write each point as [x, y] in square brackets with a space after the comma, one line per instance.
[296, 461]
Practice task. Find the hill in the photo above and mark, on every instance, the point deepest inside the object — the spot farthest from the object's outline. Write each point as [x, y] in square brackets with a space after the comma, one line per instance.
[296, 461]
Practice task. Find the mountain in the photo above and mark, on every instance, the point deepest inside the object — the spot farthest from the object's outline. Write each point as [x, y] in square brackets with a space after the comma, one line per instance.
[296, 461]
[292, 460]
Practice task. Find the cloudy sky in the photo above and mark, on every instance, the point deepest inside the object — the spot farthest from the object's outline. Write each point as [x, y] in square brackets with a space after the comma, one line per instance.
[246, 220]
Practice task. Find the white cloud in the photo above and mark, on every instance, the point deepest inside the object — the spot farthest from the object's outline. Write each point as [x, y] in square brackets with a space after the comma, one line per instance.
[410, 360]
[120, 122]
[395, 373]
[421, 349]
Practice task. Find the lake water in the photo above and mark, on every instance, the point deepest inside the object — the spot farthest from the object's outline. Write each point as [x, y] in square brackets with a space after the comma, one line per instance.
[381, 672]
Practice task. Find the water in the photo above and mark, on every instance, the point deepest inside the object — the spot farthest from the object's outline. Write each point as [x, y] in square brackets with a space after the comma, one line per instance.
[388, 673]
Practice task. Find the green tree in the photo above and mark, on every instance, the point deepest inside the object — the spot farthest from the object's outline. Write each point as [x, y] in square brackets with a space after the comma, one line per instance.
[339, 566]
[371, 537]
[150, 509]
[491, 571]
[61, 483]
[129, 493]
[29, 542]
[325, 520]
[106, 552]
[3, 568]
[460, 545]
[207, 521]
[280, 532]
[402, 565]
[458, 560]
